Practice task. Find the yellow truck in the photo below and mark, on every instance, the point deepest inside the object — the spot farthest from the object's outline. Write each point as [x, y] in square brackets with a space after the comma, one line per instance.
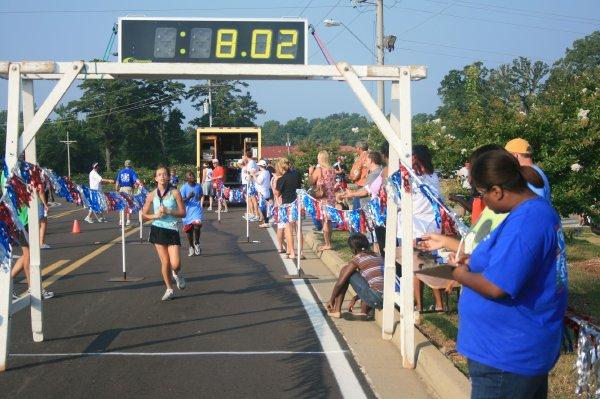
[227, 144]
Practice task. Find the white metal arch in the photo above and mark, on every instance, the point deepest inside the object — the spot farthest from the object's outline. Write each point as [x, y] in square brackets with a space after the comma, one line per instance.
[397, 130]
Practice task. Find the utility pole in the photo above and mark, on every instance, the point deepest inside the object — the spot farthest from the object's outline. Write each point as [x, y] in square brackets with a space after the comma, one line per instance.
[379, 52]
[68, 143]
[209, 105]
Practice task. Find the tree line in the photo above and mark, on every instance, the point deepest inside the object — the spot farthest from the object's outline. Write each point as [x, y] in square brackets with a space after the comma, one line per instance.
[555, 107]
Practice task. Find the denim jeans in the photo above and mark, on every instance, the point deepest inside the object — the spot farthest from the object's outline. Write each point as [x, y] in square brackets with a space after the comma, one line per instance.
[370, 296]
[491, 383]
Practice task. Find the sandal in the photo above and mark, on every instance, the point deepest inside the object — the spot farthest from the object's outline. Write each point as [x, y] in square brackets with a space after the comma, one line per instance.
[334, 315]
[322, 248]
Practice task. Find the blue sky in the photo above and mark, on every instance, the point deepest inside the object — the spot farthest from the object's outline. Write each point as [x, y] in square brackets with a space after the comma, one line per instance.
[441, 34]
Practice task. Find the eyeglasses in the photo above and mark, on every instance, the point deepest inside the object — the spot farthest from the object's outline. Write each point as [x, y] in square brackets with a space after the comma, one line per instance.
[478, 193]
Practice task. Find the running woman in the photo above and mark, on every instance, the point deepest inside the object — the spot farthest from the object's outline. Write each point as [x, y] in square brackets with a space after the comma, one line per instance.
[167, 208]
[191, 192]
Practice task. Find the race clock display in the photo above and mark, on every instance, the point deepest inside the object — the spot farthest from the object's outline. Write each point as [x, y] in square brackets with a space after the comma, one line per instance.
[257, 41]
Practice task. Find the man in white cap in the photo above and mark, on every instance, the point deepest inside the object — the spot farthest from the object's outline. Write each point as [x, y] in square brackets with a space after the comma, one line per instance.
[96, 184]
[126, 180]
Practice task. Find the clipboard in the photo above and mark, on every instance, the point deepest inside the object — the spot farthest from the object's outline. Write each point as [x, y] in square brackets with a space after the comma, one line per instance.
[442, 271]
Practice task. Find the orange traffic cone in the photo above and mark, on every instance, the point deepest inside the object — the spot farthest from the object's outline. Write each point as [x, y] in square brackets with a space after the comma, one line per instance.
[76, 229]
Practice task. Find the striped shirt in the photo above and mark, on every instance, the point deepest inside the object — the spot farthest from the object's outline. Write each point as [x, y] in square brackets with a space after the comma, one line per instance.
[370, 266]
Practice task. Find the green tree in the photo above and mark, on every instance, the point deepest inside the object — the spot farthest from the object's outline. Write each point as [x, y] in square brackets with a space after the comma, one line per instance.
[230, 105]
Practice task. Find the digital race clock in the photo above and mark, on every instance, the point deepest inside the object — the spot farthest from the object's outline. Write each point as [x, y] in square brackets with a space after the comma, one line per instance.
[247, 41]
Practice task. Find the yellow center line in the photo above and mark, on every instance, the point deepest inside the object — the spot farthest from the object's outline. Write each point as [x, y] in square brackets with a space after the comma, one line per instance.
[50, 268]
[58, 215]
[80, 262]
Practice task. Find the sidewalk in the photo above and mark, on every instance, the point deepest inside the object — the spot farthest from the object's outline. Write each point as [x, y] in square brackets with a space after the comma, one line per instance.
[379, 360]
[435, 375]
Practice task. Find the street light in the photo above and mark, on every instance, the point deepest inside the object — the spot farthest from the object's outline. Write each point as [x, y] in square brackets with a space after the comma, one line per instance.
[329, 23]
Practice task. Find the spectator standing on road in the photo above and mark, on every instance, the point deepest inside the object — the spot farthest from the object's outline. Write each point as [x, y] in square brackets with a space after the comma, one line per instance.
[323, 179]
[364, 274]
[125, 182]
[286, 187]
[359, 172]
[219, 184]
[23, 263]
[43, 217]
[207, 182]
[249, 168]
[521, 150]
[192, 195]
[277, 201]
[514, 295]
[164, 206]
[96, 184]
[262, 179]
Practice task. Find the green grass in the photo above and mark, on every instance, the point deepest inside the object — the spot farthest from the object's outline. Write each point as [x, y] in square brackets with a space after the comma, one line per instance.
[339, 241]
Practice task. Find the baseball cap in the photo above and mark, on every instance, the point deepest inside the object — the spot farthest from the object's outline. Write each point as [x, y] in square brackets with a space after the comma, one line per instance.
[215, 160]
[128, 162]
[518, 145]
[262, 162]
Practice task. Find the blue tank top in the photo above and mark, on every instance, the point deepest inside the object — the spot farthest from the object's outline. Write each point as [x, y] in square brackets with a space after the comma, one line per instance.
[168, 201]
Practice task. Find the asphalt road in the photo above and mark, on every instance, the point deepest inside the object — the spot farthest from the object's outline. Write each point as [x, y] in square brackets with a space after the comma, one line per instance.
[237, 330]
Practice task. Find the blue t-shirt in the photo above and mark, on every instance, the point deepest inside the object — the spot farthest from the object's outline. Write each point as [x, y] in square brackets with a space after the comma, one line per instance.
[543, 192]
[126, 177]
[520, 333]
[193, 208]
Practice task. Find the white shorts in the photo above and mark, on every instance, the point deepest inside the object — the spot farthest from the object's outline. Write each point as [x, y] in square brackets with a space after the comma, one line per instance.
[281, 225]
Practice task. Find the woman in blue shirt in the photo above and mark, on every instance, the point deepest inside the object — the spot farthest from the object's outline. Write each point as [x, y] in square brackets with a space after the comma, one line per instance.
[167, 209]
[515, 287]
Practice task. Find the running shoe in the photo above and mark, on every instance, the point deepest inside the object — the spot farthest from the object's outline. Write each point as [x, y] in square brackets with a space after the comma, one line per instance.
[14, 295]
[168, 294]
[179, 279]
[191, 251]
[45, 294]
[128, 223]
[197, 249]
[88, 219]
[45, 246]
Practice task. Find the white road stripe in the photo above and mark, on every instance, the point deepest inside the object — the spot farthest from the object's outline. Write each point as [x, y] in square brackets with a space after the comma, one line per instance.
[344, 375]
[247, 353]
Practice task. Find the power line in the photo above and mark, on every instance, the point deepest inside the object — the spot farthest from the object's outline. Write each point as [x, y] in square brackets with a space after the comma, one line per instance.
[491, 20]
[306, 6]
[460, 48]
[531, 14]
[330, 11]
[337, 34]
[427, 19]
[80, 11]
[595, 20]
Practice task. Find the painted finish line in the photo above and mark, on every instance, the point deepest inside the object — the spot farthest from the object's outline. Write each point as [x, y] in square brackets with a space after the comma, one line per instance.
[247, 353]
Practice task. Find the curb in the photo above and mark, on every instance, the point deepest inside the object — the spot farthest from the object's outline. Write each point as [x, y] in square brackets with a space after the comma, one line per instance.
[435, 369]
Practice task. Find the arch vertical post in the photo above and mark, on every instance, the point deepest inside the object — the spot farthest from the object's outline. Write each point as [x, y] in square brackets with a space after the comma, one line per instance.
[391, 226]
[12, 146]
[35, 276]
